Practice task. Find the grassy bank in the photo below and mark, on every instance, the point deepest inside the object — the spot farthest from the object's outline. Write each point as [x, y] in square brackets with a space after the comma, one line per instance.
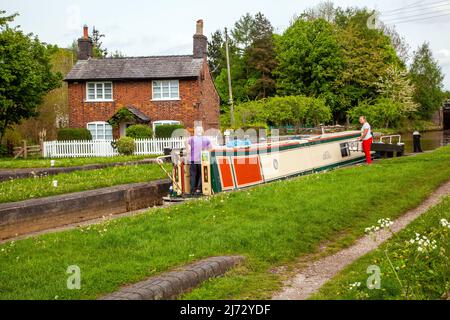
[422, 273]
[22, 189]
[8, 163]
[271, 225]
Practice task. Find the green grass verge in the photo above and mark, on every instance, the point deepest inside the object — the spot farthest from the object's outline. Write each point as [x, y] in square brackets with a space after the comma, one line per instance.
[271, 225]
[8, 163]
[22, 189]
[422, 275]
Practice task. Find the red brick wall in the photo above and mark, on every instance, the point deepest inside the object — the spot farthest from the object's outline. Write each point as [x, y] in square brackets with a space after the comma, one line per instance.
[210, 101]
[199, 101]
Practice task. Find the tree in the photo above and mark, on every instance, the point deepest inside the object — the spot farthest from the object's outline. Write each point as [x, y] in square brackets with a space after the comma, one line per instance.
[54, 109]
[252, 59]
[259, 59]
[324, 10]
[309, 60]
[216, 53]
[367, 55]
[25, 74]
[397, 87]
[426, 75]
[99, 51]
[243, 32]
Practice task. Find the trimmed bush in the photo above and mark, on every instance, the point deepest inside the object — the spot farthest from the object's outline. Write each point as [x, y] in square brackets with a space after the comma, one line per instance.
[165, 131]
[74, 134]
[139, 131]
[125, 145]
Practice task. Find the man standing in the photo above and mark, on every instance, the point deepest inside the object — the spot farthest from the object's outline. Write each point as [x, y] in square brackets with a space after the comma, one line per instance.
[195, 145]
[366, 138]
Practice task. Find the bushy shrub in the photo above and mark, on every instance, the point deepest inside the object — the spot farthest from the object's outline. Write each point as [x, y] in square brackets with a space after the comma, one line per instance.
[166, 130]
[74, 134]
[383, 113]
[279, 111]
[139, 131]
[125, 145]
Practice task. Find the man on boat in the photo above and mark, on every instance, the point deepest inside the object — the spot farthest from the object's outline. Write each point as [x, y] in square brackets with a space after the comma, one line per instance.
[194, 147]
[366, 138]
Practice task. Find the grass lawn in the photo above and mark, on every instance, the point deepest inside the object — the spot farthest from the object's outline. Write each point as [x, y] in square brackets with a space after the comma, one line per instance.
[271, 225]
[22, 189]
[424, 275]
[9, 163]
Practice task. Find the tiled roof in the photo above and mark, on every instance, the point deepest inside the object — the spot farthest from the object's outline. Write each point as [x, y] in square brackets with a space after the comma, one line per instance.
[156, 67]
[139, 114]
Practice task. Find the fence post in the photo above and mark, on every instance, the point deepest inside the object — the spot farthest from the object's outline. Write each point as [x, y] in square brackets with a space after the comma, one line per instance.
[25, 151]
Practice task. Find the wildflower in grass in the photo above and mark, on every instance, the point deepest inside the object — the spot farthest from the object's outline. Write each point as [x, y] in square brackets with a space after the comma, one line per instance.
[354, 285]
[382, 224]
[424, 244]
[445, 223]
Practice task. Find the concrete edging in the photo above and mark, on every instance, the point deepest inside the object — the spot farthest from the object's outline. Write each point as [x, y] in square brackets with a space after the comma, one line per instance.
[17, 218]
[169, 285]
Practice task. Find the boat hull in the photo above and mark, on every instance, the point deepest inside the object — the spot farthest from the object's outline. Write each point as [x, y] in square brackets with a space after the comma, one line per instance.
[234, 168]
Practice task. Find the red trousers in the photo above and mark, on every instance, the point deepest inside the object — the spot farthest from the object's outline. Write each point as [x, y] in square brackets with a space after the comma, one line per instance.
[366, 145]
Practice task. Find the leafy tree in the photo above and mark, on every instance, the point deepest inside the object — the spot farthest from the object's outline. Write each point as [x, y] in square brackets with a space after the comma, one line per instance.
[25, 74]
[309, 60]
[382, 113]
[216, 53]
[98, 50]
[397, 87]
[54, 109]
[324, 10]
[243, 32]
[426, 75]
[260, 59]
[366, 53]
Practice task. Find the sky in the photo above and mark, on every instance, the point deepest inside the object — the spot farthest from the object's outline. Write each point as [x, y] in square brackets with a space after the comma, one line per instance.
[161, 27]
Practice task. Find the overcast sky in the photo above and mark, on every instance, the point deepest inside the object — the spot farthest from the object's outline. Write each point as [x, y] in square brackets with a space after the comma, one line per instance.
[159, 27]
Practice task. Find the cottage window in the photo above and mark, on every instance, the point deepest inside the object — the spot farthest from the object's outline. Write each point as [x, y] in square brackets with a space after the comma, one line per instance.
[99, 91]
[166, 90]
[100, 130]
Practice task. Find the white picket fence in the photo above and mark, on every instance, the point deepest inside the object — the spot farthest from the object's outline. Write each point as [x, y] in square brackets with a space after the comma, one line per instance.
[104, 148]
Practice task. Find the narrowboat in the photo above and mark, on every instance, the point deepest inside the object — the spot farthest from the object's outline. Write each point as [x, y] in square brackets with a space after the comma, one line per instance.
[230, 168]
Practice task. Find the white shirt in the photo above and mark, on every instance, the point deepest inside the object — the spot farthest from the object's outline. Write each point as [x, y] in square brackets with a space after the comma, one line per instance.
[369, 131]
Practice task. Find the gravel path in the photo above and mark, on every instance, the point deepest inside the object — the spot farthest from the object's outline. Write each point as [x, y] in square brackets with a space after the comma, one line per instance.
[316, 273]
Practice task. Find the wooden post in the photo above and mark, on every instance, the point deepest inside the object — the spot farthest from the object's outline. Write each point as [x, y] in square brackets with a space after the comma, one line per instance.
[25, 151]
[230, 89]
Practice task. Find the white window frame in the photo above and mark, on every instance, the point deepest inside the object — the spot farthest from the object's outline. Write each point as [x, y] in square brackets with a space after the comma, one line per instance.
[97, 125]
[102, 83]
[170, 98]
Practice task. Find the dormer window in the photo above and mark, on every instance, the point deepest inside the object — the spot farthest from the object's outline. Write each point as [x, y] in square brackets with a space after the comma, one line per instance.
[166, 90]
[99, 91]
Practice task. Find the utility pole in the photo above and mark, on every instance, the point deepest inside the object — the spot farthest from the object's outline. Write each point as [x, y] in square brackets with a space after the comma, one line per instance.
[230, 90]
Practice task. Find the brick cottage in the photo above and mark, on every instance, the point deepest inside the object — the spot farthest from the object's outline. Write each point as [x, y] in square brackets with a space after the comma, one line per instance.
[155, 89]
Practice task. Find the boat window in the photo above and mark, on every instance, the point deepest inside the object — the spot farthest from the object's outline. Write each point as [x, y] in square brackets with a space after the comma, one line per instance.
[345, 151]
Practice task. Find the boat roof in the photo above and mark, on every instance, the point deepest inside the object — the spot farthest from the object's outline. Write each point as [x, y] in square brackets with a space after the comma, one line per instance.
[293, 141]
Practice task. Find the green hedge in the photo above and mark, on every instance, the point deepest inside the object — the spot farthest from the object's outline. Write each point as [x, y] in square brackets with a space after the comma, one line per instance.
[74, 134]
[165, 131]
[139, 131]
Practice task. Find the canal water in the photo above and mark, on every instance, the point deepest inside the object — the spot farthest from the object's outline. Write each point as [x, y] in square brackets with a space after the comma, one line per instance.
[430, 140]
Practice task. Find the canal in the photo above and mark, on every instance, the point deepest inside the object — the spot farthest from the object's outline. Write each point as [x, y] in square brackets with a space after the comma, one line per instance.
[430, 140]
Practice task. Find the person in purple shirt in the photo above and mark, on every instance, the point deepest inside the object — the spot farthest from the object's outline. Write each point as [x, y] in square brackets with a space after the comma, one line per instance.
[195, 145]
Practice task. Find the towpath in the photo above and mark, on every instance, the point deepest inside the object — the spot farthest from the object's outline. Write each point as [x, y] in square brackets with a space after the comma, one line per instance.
[311, 277]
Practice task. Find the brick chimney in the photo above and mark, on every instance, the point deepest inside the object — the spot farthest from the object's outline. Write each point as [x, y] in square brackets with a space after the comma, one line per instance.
[85, 46]
[200, 41]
